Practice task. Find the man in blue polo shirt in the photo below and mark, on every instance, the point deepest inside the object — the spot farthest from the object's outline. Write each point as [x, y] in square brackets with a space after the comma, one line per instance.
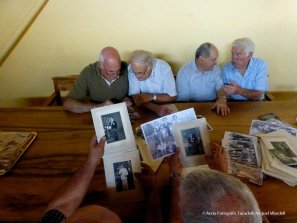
[245, 77]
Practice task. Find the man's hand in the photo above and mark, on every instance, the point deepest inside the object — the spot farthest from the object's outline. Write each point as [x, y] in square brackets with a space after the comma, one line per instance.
[96, 149]
[142, 98]
[233, 88]
[173, 161]
[221, 107]
[128, 101]
[147, 178]
[218, 158]
[163, 110]
[108, 102]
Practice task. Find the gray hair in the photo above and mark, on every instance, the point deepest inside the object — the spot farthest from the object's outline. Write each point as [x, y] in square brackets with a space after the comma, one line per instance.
[142, 56]
[201, 190]
[203, 50]
[245, 43]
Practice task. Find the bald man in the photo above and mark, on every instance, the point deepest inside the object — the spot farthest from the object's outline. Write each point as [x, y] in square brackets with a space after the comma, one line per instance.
[101, 83]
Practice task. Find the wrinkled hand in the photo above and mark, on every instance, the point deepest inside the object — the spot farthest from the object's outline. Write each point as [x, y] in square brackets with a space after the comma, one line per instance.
[141, 98]
[128, 101]
[233, 88]
[218, 158]
[147, 177]
[173, 161]
[96, 149]
[163, 110]
[221, 107]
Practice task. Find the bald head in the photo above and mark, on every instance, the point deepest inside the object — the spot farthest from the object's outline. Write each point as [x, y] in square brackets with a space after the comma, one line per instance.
[110, 63]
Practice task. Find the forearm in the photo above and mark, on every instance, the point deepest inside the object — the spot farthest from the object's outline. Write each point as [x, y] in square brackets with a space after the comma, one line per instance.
[251, 94]
[154, 210]
[161, 98]
[77, 106]
[175, 213]
[69, 196]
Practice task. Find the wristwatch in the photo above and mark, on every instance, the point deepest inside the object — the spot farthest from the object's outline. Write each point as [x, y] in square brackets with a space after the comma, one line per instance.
[154, 97]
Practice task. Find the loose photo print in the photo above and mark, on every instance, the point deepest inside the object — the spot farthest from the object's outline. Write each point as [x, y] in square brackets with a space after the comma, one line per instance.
[192, 138]
[158, 133]
[122, 186]
[282, 151]
[113, 122]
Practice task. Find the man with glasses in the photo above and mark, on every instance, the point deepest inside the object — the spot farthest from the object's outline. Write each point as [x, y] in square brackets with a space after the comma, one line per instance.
[245, 77]
[101, 83]
[151, 82]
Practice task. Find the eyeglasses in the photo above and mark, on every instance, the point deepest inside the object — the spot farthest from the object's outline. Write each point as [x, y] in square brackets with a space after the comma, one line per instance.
[144, 73]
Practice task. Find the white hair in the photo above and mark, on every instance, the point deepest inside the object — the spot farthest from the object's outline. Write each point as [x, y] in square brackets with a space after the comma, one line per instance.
[201, 190]
[245, 43]
[142, 56]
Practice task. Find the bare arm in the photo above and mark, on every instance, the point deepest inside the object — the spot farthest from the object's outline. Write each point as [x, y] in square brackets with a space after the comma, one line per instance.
[142, 98]
[160, 110]
[153, 201]
[68, 198]
[175, 172]
[77, 106]
[234, 88]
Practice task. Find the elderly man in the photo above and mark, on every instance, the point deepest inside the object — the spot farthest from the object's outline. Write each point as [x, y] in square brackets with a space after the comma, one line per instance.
[200, 79]
[101, 83]
[245, 77]
[206, 195]
[150, 82]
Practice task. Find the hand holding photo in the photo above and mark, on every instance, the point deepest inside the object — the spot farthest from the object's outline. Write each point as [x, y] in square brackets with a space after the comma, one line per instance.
[113, 122]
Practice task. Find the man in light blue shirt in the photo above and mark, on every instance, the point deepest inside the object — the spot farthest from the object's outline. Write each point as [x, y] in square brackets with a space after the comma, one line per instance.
[200, 79]
[151, 81]
[245, 77]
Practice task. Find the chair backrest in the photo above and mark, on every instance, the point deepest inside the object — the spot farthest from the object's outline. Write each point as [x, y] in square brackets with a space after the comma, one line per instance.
[62, 83]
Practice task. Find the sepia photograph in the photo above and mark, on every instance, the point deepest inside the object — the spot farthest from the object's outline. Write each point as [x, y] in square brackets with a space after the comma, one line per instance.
[192, 138]
[158, 133]
[113, 122]
[283, 152]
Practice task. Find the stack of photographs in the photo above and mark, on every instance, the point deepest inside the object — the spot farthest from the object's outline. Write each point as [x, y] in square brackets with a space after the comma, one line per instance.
[271, 125]
[121, 157]
[243, 155]
[279, 152]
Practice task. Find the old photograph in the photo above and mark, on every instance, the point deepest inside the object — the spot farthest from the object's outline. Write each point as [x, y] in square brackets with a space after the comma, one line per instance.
[283, 152]
[113, 127]
[113, 122]
[192, 138]
[258, 127]
[121, 184]
[159, 133]
[123, 174]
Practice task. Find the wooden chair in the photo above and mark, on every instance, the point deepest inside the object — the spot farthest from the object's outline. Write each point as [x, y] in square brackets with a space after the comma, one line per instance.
[63, 83]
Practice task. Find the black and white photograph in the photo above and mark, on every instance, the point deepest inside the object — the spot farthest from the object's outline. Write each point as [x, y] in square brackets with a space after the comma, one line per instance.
[113, 122]
[192, 138]
[283, 152]
[113, 127]
[258, 127]
[121, 184]
[158, 133]
[192, 141]
[123, 174]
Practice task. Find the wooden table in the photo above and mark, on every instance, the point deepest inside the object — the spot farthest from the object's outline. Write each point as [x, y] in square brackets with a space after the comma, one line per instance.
[62, 145]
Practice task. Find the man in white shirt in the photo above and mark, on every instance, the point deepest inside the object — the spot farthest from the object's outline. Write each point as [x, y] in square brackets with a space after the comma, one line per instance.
[151, 81]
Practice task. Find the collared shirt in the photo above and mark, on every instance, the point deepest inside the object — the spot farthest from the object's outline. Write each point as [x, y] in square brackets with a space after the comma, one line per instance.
[254, 78]
[107, 81]
[161, 80]
[194, 85]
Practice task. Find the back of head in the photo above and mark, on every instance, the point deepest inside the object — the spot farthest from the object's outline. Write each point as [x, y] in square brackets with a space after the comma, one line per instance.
[245, 43]
[203, 50]
[208, 196]
[142, 57]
